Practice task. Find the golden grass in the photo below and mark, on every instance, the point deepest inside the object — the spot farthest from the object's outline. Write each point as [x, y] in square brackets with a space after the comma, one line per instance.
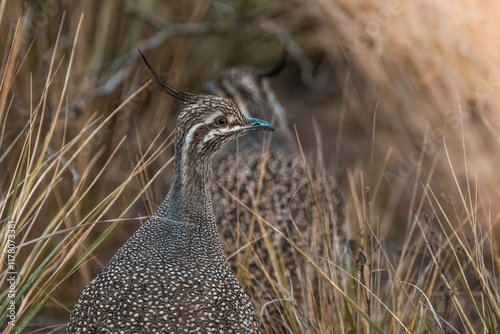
[406, 91]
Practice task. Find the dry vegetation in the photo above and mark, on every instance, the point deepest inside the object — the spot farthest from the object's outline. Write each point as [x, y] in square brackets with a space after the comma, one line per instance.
[406, 97]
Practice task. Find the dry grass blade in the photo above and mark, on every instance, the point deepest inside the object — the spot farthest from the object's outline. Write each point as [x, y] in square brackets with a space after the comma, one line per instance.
[8, 74]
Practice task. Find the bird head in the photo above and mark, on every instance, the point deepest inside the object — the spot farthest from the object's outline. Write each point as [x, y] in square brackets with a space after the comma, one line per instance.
[207, 122]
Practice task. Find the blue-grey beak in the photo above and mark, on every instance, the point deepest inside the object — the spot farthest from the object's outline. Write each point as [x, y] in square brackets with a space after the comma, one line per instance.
[258, 125]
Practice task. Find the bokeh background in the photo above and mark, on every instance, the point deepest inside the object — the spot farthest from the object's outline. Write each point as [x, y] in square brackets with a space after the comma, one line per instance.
[398, 100]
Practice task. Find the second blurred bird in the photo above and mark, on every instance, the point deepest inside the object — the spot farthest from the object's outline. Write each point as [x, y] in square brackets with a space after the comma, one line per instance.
[307, 210]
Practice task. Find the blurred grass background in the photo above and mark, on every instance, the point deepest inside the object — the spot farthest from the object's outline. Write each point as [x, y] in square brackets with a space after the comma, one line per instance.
[404, 95]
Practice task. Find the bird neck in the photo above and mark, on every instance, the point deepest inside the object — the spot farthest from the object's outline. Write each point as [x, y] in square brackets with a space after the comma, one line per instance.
[190, 196]
[188, 207]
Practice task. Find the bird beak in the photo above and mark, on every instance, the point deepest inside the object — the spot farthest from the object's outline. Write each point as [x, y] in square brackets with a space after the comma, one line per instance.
[258, 125]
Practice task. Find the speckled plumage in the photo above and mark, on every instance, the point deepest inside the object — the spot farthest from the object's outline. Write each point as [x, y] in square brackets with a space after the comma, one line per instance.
[171, 276]
[283, 196]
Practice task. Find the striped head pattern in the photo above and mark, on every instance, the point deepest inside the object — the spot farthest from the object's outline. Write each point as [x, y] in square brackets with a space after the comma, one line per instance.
[207, 122]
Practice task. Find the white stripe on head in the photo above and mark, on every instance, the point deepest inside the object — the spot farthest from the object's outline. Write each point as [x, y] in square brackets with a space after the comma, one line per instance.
[209, 136]
[226, 129]
[189, 136]
[187, 141]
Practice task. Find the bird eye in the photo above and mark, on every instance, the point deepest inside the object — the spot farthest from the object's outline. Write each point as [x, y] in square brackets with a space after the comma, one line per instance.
[221, 121]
